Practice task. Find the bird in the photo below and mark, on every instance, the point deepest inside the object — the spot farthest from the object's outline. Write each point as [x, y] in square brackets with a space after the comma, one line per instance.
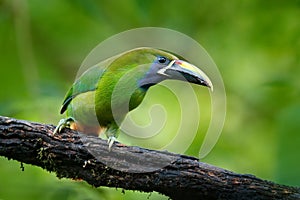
[88, 103]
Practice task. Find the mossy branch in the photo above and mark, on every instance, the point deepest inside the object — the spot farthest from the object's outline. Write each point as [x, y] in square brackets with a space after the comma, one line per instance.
[72, 155]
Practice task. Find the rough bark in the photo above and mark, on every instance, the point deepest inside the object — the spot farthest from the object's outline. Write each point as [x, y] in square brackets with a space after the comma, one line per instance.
[72, 155]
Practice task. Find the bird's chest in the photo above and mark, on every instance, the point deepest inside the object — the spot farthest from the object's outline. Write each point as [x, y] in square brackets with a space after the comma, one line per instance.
[114, 99]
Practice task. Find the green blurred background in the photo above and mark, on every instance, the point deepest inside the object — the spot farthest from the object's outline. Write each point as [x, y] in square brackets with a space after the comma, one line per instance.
[256, 45]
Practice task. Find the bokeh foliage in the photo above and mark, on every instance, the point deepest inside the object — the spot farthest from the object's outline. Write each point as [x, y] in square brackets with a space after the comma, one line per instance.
[256, 45]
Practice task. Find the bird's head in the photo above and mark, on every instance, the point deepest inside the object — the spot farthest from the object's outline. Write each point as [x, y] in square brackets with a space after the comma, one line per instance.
[165, 65]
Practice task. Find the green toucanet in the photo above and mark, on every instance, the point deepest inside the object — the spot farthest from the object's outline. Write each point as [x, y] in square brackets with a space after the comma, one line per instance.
[106, 92]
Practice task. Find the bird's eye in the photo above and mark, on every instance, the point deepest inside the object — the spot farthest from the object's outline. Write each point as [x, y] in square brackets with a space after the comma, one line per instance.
[162, 59]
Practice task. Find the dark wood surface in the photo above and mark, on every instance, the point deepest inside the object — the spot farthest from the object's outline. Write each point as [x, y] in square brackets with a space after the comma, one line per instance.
[73, 155]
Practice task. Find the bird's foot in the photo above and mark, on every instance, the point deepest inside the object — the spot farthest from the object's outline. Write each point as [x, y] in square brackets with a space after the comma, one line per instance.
[110, 142]
[63, 123]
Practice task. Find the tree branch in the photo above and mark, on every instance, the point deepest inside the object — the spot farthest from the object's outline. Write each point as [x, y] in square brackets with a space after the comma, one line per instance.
[73, 155]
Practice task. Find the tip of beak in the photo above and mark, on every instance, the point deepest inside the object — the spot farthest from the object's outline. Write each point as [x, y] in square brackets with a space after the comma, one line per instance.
[211, 88]
[210, 85]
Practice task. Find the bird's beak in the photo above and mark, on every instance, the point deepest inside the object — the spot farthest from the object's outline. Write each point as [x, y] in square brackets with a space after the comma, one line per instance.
[182, 70]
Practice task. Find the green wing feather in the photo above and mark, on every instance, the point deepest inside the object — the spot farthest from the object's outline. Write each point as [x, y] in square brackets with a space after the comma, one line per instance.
[88, 81]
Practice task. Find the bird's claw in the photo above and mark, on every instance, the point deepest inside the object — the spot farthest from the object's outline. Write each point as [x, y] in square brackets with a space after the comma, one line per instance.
[63, 123]
[110, 142]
